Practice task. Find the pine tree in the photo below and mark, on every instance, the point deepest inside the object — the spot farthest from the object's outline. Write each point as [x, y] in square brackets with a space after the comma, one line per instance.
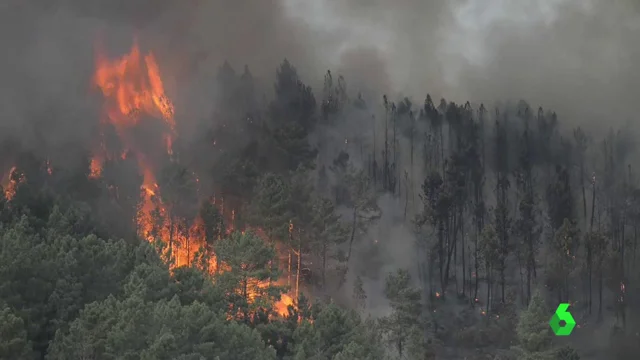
[562, 261]
[327, 232]
[251, 263]
[533, 332]
[406, 318]
[364, 208]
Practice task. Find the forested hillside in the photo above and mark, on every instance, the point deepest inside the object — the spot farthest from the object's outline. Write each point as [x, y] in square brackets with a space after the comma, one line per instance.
[265, 235]
[159, 202]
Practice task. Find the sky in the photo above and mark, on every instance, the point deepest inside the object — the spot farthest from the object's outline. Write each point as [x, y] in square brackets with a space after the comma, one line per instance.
[464, 40]
[577, 57]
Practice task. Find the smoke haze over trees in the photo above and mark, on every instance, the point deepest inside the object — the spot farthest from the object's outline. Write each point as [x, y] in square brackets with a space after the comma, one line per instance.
[288, 179]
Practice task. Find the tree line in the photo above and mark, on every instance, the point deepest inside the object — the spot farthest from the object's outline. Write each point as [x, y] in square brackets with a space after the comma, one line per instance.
[511, 211]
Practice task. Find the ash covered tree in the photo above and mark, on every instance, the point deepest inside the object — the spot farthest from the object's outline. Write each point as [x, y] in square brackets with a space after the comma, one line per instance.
[501, 214]
[489, 252]
[526, 225]
[560, 198]
[437, 208]
[562, 265]
[364, 208]
[359, 295]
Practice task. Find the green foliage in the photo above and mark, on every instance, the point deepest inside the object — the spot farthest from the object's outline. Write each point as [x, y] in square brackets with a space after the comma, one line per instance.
[76, 283]
[301, 201]
[327, 232]
[133, 328]
[567, 353]
[361, 192]
[14, 343]
[336, 334]
[291, 139]
[489, 247]
[270, 206]
[405, 325]
[533, 332]
[562, 263]
[48, 278]
[293, 117]
[249, 263]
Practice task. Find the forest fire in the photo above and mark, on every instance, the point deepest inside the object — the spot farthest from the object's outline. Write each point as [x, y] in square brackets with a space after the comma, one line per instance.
[282, 306]
[134, 86]
[133, 90]
[10, 181]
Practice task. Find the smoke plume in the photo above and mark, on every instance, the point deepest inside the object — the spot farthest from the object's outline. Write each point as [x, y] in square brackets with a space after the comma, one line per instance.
[575, 57]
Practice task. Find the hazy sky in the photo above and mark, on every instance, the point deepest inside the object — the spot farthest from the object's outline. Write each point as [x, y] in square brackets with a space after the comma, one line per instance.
[464, 38]
[578, 57]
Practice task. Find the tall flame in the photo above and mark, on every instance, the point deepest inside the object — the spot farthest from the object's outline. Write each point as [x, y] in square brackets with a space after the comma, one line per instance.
[10, 183]
[133, 84]
[132, 87]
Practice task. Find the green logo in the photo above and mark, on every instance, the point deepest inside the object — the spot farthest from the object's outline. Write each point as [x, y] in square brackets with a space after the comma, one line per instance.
[562, 314]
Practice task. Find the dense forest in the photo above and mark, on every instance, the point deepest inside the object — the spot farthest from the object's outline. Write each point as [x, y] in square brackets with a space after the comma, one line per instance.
[266, 235]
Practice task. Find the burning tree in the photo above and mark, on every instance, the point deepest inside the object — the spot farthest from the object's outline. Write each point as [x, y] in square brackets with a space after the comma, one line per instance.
[181, 199]
[213, 228]
[251, 269]
[170, 212]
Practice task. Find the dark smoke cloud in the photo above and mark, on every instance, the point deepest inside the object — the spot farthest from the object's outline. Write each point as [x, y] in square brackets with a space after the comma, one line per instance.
[576, 57]
[581, 63]
[410, 33]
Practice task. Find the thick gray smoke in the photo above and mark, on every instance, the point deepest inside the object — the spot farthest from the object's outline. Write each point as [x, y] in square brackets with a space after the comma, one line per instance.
[579, 60]
[576, 57]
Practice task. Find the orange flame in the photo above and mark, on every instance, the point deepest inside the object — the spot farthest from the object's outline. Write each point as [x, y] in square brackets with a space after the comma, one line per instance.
[10, 184]
[133, 84]
[95, 168]
[132, 88]
[282, 306]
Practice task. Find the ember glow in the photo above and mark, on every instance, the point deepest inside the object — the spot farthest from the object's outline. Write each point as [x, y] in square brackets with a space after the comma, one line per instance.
[282, 306]
[10, 182]
[133, 90]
